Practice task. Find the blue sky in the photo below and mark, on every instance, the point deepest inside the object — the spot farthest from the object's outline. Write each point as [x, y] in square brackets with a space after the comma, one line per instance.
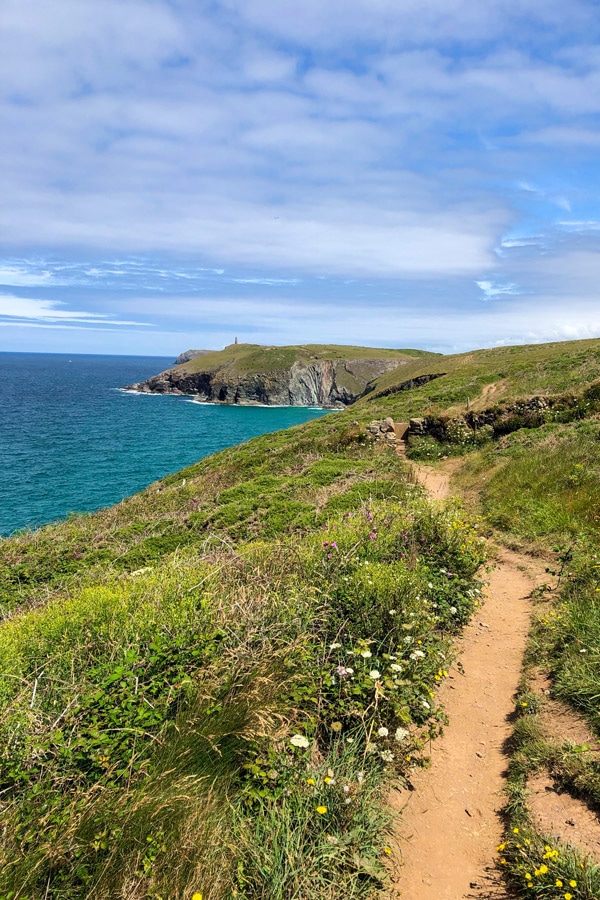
[403, 173]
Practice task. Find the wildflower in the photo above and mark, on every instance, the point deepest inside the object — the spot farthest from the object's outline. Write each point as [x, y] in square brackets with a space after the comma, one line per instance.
[329, 780]
[325, 543]
[395, 667]
[515, 830]
[527, 876]
[543, 869]
[392, 612]
[558, 883]
[336, 726]
[360, 777]
[568, 896]
[417, 654]
[387, 755]
[298, 740]
[572, 883]
[372, 536]
[425, 704]
[366, 654]
[335, 646]
[387, 850]
[383, 731]
[374, 674]
[453, 610]
[321, 810]
[334, 545]
[346, 789]
[500, 847]
[197, 896]
[310, 781]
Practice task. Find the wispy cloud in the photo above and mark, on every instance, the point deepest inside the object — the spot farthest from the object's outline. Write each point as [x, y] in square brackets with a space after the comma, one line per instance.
[16, 310]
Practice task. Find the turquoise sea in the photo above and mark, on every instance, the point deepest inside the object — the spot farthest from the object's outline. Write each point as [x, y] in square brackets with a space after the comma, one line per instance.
[71, 441]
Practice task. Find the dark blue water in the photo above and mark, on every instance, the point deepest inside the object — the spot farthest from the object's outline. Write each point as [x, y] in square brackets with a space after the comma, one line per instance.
[71, 442]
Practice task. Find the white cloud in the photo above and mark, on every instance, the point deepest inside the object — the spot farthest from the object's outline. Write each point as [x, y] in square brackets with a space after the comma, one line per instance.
[19, 308]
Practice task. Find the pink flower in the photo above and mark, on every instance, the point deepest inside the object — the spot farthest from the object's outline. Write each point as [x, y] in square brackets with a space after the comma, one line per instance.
[333, 545]
[372, 536]
[326, 544]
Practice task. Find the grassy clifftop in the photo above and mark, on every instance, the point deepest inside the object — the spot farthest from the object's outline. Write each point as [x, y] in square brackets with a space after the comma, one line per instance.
[485, 377]
[246, 359]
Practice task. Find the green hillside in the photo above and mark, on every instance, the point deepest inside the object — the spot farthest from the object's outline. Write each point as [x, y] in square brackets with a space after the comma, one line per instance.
[207, 688]
[484, 377]
[249, 358]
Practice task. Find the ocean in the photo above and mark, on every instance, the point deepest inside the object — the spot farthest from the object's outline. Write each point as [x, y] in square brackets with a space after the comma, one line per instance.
[71, 441]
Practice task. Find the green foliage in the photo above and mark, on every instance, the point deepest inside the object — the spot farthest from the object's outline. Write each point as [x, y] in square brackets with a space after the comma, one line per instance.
[145, 713]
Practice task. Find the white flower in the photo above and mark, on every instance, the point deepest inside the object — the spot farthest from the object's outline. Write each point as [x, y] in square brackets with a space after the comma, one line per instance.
[395, 667]
[425, 704]
[366, 654]
[387, 755]
[417, 654]
[374, 674]
[298, 740]
[392, 612]
[360, 777]
[429, 584]
[401, 734]
[383, 731]
[349, 671]
[453, 610]
[335, 646]
[345, 789]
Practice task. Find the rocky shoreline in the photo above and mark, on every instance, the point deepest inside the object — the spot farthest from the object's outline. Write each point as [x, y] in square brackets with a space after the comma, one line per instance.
[327, 383]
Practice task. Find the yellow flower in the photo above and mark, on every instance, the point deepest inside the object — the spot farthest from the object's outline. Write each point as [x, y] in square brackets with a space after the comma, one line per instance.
[527, 876]
[543, 869]
[515, 830]
[327, 779]
[310, 781]
[558, 883]
[568, 896]
[321, 810]
[197, 896]
[502, 862]
[500, 847]
[387, 850]
[572, 883]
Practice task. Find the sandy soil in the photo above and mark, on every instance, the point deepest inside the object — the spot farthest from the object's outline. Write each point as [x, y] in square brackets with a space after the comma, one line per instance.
[449, 822]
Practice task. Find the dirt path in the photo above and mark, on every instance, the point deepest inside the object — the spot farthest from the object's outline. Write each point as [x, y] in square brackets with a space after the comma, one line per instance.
[450, 821]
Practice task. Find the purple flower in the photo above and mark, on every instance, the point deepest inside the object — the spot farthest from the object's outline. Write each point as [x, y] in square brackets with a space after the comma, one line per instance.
[372, 536]
[326, 543]
[334, 545]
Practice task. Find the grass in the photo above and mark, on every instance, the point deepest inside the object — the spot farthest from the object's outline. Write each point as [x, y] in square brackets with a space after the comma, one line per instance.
[205, 688]
[243, 359]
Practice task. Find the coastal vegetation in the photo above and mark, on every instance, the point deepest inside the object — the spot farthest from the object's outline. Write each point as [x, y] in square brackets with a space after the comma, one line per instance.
[207, 688]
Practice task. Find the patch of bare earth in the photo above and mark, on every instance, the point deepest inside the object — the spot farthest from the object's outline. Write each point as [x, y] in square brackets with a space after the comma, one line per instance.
[449, 821]
[554, 811]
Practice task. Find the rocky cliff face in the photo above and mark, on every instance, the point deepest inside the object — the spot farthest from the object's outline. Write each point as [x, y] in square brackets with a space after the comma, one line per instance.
[325, 382]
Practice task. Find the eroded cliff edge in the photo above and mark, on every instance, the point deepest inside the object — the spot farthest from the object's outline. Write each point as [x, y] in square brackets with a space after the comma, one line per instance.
[284, 378]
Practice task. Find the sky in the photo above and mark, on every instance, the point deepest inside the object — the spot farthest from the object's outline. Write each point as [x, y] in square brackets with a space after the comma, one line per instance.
[398, 173]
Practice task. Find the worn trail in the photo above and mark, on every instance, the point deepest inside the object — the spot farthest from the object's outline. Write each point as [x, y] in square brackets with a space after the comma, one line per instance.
[450, 823]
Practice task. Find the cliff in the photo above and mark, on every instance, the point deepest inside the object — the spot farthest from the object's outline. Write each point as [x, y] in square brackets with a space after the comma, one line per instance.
[246, 374]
